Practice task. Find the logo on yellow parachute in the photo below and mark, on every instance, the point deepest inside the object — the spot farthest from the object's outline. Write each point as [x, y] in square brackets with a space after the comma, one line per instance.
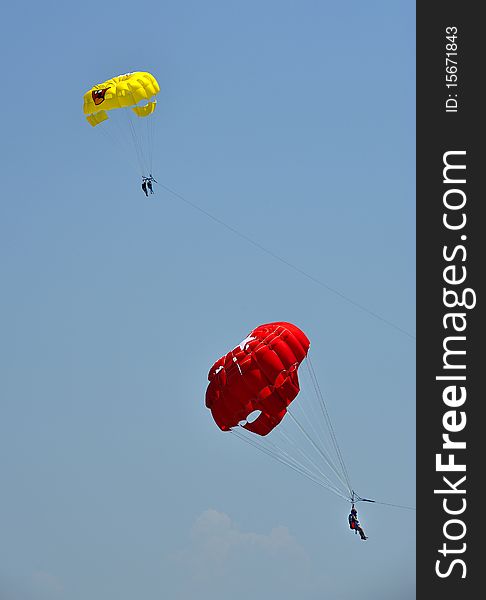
[99, 96]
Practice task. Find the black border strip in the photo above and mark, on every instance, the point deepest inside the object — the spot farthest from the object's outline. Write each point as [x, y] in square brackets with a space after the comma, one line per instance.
[443, 127]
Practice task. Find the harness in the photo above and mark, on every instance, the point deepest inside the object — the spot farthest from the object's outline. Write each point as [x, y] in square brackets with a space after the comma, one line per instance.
[353, 523]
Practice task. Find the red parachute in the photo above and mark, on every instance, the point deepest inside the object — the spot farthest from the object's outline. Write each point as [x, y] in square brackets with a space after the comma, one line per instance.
[260, 374]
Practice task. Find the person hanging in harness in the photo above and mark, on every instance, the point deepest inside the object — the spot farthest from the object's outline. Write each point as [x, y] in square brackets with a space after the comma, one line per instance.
[147, 184]
[354, 523]
[144, 186]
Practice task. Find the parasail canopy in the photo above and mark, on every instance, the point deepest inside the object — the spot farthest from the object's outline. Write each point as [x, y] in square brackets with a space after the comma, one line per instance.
[254, 387]
[132, 90]
[122, 109]
[260, 375]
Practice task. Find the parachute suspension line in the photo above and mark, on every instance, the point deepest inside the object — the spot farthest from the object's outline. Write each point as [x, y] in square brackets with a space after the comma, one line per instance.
[316, 447]
[119, 123]
[311, 467]
[353, 496]
[119, 143]
[149, 150]
[319, 437]
[283, 458]
[330, 484]
[320, 448]
[136, 142]
[276, 456]
[316, 474]
[136, 130]
[287, 263]
[142, 129]
[327, 418]
[150, 138]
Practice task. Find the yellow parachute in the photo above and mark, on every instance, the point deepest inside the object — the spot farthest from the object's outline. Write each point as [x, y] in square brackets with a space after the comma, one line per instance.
[120, 101]
[133, 90]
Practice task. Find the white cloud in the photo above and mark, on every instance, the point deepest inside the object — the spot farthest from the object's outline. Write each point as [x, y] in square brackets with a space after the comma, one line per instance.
[223, 561]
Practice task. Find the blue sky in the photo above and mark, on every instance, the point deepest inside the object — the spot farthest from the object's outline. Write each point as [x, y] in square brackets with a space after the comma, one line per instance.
[292, 123]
